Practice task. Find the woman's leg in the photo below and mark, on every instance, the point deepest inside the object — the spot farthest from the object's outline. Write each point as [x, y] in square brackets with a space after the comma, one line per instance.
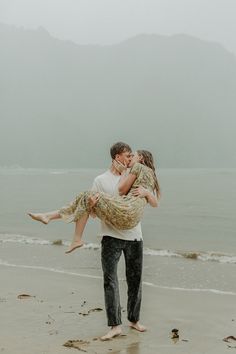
[80, 224]
[79, 229]
[45, 217]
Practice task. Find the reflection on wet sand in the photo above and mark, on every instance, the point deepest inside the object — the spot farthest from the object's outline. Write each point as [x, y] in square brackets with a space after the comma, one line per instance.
[131, 349]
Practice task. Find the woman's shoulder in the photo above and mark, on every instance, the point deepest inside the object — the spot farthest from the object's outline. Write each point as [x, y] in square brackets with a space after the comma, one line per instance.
[137, 168]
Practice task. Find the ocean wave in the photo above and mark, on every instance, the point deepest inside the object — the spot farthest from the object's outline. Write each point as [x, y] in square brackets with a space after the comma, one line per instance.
[160, 253]
[58, 172]
[14, 238]
[198, 290]
[194, 255]
[189, 255]
[18, 170]
[152, 285]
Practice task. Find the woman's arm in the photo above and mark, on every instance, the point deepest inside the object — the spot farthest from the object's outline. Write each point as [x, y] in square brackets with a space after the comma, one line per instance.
[126, 181]
[144, 193]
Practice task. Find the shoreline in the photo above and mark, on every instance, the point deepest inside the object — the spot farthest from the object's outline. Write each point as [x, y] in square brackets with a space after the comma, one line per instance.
[121, 280]
[60, 311]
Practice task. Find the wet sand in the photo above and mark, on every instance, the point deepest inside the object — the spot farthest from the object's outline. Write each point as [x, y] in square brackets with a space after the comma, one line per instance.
[64, 307]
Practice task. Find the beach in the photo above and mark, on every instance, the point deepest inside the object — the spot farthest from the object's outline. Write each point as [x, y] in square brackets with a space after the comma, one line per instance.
[188, 271]
[63, 307]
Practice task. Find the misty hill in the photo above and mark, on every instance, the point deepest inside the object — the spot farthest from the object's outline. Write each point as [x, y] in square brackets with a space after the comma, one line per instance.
[62, 104]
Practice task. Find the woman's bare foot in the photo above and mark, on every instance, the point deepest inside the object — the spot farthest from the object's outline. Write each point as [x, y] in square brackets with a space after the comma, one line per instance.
[114, 332]
[73, 246]
[39, 217]
[138, 326]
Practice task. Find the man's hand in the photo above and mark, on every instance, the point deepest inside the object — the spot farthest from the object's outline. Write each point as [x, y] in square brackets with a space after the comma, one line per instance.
[140, 192]
[145, 193]
[92, 201]
[92, 214]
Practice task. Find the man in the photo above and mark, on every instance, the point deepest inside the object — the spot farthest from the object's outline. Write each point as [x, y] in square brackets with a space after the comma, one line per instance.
[114, 242]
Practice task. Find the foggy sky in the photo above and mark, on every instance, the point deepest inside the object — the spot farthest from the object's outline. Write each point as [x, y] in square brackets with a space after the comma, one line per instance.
[111, 21]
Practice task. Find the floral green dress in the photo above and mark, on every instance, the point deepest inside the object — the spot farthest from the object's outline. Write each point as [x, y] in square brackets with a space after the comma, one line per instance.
[122, 212]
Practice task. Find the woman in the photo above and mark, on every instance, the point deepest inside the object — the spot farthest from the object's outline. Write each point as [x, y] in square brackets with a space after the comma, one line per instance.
[124, 211]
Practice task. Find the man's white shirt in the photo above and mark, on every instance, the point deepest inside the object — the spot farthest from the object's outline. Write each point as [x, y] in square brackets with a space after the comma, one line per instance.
[108, 183]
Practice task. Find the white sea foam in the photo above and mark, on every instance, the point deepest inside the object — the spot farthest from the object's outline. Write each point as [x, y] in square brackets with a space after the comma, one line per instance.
[91, 246]
[217, 257]
[58, 172]
[202, 256]
[54, 270]
[19, 170]
[161, 253]
[152, 285]
[192, 255]
[213, 291]
[14, 238]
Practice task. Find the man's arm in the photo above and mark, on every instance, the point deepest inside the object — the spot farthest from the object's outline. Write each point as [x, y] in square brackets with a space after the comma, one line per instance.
[145, 193]
[95, 188]
[125, 183]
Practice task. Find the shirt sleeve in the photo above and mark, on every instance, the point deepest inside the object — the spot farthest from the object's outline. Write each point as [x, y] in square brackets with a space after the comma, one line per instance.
[96, 187]
[135, 170]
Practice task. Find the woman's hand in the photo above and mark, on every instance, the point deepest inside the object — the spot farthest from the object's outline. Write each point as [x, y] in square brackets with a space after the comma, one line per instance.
[140, 192]
[120, 167]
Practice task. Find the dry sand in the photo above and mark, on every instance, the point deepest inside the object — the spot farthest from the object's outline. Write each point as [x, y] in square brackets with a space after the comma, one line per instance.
[60, 312]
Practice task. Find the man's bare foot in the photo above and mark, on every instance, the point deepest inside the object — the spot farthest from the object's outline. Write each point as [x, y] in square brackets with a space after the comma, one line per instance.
[39, 217]
[114, 332]
[73, 246]
[138, 326]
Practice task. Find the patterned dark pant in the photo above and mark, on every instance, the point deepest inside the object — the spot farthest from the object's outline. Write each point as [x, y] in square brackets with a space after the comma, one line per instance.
[133, 253]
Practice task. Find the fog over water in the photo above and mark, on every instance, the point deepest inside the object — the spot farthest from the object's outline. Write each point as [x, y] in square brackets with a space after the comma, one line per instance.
[110, 21]
[166, 82]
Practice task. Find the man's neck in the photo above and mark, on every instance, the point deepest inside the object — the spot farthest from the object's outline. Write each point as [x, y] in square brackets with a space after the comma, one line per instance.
[114, 171]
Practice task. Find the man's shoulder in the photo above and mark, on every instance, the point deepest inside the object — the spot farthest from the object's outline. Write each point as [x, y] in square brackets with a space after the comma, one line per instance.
[102, 179]
[102, 176]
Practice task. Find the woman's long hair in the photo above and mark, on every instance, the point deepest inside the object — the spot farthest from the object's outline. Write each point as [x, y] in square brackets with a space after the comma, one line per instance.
[147, 159]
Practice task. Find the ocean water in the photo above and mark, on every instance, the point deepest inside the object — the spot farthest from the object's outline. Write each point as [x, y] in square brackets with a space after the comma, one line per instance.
[189, 240]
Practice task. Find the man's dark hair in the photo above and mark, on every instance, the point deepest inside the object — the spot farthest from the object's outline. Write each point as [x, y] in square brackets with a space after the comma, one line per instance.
[119, 148]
